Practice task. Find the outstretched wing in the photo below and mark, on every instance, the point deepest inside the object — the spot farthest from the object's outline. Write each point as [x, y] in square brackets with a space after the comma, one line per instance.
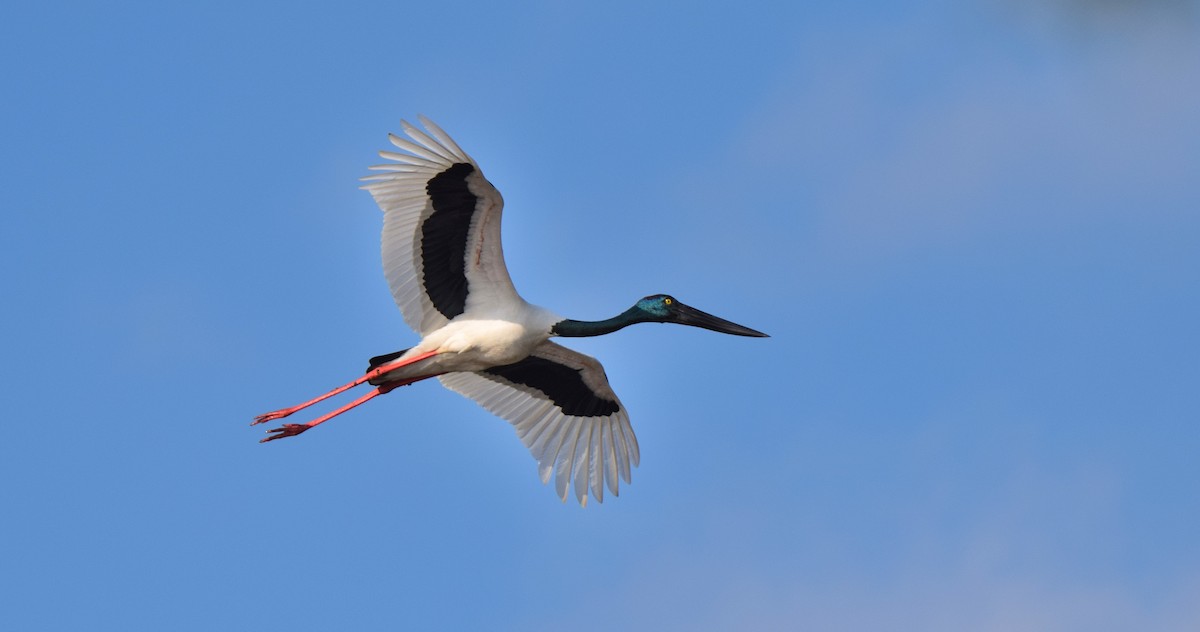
[564, 411]
[441, 229]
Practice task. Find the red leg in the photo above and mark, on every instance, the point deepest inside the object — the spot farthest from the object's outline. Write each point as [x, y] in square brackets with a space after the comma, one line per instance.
[291, 430]
[373, 373]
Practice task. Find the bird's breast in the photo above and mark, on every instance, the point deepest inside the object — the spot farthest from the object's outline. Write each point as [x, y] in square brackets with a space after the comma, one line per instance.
[477, 344]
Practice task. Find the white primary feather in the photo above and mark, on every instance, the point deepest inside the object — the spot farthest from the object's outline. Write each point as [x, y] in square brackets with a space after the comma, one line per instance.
[594, 452]
[400, 191]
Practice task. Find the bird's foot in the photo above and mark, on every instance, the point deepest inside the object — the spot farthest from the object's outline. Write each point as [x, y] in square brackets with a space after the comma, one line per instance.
[287, 430]
[272, 416]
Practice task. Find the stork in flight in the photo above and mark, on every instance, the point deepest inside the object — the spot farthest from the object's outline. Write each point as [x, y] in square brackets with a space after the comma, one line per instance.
[444, 264]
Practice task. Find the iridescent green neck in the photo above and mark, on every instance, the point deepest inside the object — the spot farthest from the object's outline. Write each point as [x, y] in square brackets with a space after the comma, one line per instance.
[580, 328]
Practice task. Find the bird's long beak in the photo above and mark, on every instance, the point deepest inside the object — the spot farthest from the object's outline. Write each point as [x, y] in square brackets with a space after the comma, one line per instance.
[686, 315]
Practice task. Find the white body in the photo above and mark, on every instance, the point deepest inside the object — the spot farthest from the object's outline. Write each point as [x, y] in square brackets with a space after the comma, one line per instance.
[478, 341]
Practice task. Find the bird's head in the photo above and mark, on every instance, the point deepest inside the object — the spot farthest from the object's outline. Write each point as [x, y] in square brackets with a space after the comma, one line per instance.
[663, 308]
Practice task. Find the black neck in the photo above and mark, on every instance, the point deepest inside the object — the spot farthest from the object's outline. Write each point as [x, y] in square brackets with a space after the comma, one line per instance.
[581, 328]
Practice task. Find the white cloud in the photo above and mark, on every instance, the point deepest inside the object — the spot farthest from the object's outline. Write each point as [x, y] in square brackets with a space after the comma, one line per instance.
[876, 144]
[1004, 570]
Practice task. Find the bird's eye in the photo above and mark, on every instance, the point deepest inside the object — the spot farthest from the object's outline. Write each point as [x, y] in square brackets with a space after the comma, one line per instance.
[667, 301]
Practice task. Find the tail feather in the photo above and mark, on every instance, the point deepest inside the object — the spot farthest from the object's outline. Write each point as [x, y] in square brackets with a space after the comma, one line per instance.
[385, 358]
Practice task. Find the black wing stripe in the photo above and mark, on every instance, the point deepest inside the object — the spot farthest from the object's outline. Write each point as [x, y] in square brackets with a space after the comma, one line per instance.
[563, 385]
[444, 239]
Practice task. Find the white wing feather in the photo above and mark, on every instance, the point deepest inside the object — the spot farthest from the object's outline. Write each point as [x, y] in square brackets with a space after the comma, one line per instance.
[400, 191]
[594, 452]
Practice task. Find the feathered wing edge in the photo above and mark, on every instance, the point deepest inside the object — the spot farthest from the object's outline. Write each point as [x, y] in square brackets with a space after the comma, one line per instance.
[399, 190]
[590, 451]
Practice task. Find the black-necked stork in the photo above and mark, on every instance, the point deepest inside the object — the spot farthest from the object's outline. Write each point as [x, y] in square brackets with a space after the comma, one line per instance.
[443, 261]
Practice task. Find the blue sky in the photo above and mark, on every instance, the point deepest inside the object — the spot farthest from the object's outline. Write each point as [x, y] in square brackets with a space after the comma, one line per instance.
[970, 227]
